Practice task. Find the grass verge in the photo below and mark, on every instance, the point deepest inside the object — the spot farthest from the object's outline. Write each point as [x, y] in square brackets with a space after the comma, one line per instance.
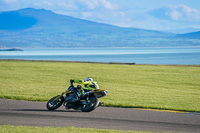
[28, 129]
[140, 86]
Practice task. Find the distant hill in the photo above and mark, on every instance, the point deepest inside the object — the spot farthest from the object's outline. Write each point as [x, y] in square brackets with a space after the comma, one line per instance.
[39, 28]
[12, 49]
[192, 35]
[184, 30]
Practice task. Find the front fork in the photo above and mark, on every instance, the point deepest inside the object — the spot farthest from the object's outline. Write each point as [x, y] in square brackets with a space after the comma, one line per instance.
[57, 97]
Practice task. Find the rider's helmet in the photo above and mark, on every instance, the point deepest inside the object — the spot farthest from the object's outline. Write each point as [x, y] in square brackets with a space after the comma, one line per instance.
[88, 79]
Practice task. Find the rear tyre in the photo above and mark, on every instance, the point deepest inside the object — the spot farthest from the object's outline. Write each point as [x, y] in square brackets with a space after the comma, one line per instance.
[54, 103]
[92, 103]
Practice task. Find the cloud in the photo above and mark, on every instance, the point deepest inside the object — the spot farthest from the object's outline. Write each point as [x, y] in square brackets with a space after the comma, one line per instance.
[6, 5]
[96, 4]
[42, 4]
[67, 5]
[8, 1]
[177, 13]
[95, 10]
[110, 12]
[78, 5]
[84, 7]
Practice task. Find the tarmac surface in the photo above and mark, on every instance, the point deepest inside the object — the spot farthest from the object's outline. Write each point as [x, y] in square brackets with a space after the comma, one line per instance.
[27, 113]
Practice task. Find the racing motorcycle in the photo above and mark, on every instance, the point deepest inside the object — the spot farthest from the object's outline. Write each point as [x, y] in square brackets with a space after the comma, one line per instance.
[88, 101]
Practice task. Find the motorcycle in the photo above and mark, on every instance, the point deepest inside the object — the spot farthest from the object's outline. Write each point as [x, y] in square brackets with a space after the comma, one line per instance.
[88, 101]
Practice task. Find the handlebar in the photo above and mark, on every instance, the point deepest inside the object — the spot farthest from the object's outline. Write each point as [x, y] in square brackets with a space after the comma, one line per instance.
[71, 84]
[71, 81]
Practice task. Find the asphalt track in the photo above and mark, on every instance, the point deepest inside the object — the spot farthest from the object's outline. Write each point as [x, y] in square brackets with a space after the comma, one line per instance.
[14, 112]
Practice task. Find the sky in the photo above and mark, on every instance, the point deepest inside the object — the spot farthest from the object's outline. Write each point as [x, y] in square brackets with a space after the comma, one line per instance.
[161, 15]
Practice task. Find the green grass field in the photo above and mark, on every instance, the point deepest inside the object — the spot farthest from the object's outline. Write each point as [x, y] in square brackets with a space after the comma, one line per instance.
[28, 129]
[142, 86]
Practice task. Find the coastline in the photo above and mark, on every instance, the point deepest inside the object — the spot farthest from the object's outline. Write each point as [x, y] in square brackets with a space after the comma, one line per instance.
[11, 49]
[114, 63]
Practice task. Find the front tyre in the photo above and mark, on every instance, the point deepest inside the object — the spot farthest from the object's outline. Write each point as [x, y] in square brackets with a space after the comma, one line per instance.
[55, 102]
[90, 105]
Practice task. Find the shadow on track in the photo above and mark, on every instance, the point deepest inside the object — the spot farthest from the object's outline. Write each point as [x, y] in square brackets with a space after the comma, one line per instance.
[44, 110]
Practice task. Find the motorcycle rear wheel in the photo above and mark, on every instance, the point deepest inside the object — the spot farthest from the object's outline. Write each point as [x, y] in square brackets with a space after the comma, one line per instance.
[54, 103]
[92, 103]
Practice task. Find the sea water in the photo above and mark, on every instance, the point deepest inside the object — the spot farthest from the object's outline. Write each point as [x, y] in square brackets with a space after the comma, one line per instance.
[186, 56]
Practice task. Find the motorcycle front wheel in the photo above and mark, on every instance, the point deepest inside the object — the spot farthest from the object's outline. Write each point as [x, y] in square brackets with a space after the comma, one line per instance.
[90, 105]
[55, 103]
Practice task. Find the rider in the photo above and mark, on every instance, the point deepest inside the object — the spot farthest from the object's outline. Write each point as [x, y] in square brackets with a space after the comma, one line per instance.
[88, 83]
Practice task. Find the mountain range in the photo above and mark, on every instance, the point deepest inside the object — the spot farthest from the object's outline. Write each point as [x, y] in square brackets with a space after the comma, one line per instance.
[184, 30]
[40, 28]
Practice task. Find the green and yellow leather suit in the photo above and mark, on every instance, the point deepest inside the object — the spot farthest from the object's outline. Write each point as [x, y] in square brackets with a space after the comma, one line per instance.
[89, 85]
